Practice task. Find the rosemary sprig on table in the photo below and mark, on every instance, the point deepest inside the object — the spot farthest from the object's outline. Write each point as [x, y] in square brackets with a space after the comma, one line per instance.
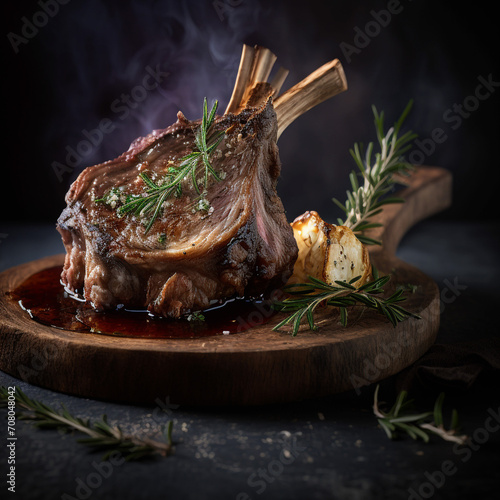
[377, 173]
[304, 298]
[101, 435]
[150, 203]
[401, 419]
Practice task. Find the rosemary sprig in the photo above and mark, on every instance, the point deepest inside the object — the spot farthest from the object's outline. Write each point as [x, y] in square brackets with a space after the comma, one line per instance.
[402, 419]
[100, 435]
[377, 173]
[306, 297]
[150, 202]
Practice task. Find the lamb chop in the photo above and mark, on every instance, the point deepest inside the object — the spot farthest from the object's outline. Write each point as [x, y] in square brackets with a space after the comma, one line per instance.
[189, 216]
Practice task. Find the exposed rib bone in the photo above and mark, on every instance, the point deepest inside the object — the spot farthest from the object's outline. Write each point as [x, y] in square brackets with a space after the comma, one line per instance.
[278, 80]
[255, 67]
[242, 79]
[263, 64]
[251, 86]
[325, 82]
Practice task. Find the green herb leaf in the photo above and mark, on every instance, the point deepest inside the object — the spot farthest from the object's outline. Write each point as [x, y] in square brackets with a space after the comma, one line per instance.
[402, 419]
[149, 204]
[99, 436]
[304, 298]
[378, 176]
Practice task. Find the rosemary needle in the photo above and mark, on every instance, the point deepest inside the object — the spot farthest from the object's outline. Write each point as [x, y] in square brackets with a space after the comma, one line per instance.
[100, 435]
[149, 203]
[304, 298]
[378, 171]
[401, 419]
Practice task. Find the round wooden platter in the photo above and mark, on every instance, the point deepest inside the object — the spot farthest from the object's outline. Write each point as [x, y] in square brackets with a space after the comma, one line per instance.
[257, 366]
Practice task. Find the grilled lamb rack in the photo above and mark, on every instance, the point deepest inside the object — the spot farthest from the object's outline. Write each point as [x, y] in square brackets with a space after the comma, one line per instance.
[219, 232]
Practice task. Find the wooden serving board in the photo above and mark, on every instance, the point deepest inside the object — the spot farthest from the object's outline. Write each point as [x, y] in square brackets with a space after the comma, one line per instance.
[257, 366]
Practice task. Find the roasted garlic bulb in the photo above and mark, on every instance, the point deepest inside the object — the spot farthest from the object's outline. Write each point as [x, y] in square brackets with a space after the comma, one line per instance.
[328, 252]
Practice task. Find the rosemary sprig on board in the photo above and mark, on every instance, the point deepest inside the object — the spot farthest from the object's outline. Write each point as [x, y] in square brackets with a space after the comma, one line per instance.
[401, 419]
[377, 174]
[100, 435]
[150, 203]
[304, 298]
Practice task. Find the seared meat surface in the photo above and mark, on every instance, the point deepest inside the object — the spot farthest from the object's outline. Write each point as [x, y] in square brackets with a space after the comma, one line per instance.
[233, 240]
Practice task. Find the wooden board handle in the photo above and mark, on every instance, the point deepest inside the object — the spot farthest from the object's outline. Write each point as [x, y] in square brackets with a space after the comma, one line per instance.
[428, 191]
[327, 81]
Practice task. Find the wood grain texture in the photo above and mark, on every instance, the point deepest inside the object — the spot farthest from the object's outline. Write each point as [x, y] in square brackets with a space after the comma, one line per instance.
[257, 366]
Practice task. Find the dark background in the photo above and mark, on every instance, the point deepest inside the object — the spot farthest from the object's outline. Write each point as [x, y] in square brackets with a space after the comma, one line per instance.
[64, 79]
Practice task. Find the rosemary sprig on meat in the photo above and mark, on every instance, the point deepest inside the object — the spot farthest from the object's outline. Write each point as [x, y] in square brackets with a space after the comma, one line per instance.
[149, 204]
[402, 419]
[304, 299]
[378, 175]
[100, 435]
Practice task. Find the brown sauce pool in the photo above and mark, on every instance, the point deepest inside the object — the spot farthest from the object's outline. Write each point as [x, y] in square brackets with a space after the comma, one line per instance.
[44, 298]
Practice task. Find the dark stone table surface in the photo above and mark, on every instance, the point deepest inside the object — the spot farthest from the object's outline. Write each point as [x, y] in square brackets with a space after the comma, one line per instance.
[330, 448]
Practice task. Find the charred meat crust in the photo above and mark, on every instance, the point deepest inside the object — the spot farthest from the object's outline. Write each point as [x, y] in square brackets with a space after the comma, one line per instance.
[242, 246]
